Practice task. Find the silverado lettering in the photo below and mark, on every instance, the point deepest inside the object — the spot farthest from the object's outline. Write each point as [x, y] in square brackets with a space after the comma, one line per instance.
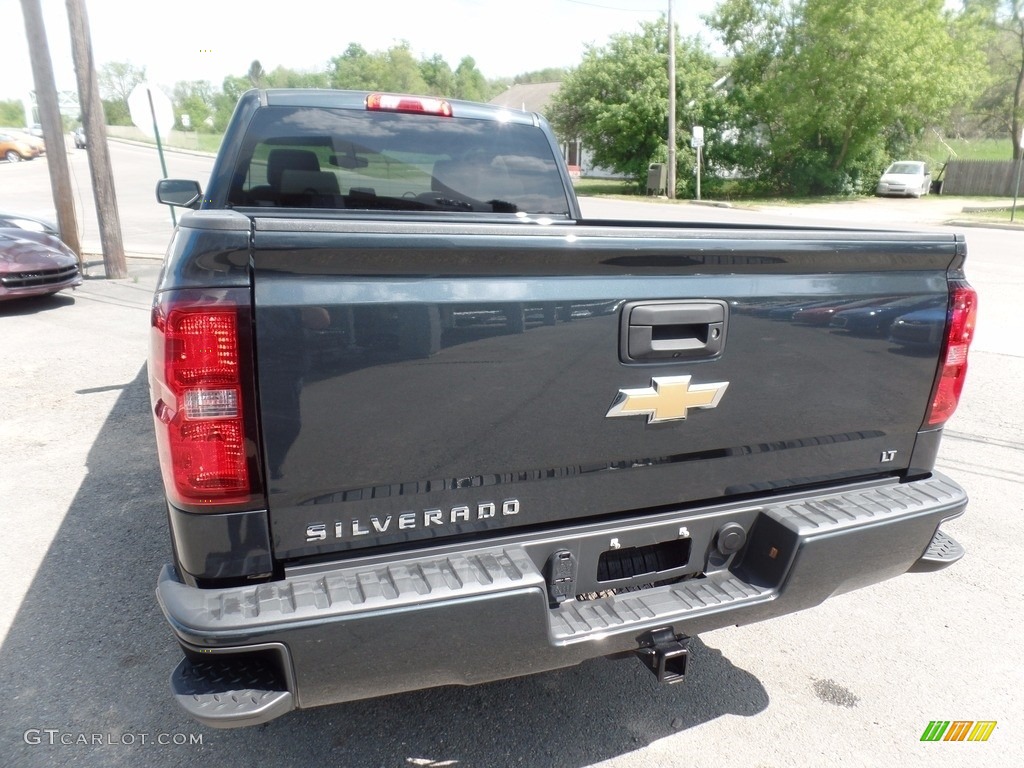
[385, 328]
[409, 520]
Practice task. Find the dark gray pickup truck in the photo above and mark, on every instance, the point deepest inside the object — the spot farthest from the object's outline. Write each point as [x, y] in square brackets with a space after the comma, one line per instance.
[420, 423]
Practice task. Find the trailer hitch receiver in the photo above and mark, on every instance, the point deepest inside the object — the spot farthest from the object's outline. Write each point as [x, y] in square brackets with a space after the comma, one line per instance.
[664, 653]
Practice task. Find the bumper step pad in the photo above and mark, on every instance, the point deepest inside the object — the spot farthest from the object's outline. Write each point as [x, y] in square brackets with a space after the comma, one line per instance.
[941, 553]
[230, 693]
[576, 621]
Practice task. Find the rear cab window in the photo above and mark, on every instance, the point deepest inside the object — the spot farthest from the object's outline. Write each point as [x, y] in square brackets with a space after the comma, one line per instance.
[348, 159]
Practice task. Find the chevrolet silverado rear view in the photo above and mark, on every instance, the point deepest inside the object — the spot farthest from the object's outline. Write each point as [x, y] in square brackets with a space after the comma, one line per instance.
[421, 423]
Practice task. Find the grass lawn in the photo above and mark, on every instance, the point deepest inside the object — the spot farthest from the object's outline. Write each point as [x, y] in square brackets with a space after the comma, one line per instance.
[202, 142]
[937, 151]
[210, 142]
[998, 215]
[595, 187]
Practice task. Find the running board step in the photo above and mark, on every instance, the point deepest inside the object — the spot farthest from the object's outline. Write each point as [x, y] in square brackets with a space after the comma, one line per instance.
[943, 551]
[231, 693]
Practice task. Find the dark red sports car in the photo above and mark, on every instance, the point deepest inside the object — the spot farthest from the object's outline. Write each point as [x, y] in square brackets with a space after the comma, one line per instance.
[34, 263]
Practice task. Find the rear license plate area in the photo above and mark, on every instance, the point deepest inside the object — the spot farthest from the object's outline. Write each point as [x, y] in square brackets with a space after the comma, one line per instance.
[650, 560]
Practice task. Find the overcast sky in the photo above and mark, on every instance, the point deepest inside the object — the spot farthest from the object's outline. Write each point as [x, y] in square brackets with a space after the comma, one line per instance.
[207, 40]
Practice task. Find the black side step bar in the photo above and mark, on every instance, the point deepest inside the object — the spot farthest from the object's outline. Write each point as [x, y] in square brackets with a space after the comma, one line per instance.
[230, 692]
[943, 551]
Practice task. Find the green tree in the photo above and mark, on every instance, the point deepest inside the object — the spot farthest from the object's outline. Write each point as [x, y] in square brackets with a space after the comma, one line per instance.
[1002, 104]
[823, 92]
[470, 83]
[548, 75]
[283, 77]
[117, 79]
[438, 76]
[234, 86]
[392, 70]
[616, 101]
[115, 112]
[12, 113]
[224, 101]
[195, 99]
[353, 69]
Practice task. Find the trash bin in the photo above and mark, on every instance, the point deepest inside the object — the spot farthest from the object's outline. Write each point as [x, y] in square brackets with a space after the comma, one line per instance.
[656, 179]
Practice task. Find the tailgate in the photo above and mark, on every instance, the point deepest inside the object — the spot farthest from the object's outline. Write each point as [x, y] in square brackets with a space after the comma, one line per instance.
[422, 380]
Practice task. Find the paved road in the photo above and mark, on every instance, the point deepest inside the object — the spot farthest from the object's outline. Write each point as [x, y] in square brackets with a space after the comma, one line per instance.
[85, 654]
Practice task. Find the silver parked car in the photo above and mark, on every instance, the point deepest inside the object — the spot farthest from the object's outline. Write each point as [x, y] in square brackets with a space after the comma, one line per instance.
[905, 177]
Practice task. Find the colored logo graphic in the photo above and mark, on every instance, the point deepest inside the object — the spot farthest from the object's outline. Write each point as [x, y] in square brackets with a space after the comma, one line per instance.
[958, 730]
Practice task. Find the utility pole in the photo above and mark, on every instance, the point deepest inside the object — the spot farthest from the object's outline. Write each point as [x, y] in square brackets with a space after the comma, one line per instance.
[671, 183]
[53, 126]
[96, 141]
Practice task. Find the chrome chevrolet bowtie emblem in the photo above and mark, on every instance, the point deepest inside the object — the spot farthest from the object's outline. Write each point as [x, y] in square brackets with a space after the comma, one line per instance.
[667, 399]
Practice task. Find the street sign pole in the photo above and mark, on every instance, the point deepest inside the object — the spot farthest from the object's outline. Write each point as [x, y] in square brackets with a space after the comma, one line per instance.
[697, 142]
[699, 153]
[160, 148]
[1016, 189]
[153, 114]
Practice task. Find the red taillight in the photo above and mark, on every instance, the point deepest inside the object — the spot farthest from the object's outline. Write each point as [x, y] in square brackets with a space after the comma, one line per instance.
[199, 398]
[394, 102]
[963, 312]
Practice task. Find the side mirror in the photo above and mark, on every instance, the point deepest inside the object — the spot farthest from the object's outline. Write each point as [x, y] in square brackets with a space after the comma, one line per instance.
[182, 193]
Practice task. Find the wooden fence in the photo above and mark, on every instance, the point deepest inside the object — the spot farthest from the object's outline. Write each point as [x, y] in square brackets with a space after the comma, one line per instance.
[980, 177]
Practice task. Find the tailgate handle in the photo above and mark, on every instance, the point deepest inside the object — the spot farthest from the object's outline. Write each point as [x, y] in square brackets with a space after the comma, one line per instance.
[678, 330]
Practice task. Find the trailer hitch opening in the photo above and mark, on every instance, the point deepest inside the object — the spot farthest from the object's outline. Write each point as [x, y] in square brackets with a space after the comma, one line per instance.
[664, 653]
